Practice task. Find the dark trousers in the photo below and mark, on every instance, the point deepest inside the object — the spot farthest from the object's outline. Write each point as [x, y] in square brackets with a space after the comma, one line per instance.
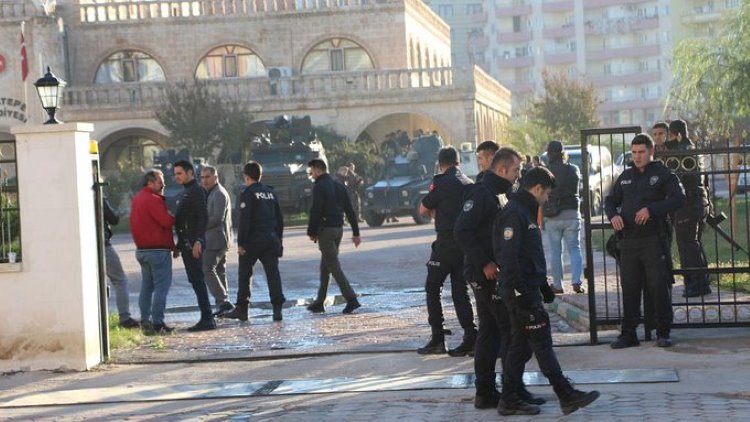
[194, 270]
[643, 265]
[268, 254]
[447, 259]
[493, 336]
[690, 221]
[329, 239]
[531, 332]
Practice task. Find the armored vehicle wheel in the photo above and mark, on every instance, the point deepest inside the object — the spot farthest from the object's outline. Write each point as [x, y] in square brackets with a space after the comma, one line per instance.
[374, 220]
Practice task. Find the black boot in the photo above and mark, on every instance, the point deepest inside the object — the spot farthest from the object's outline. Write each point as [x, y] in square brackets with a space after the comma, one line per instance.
[466, 348]
[436, 346]
[530, 398]
[570, 398]
[487, 400]
[239, 312]
[277, 312]
[512, 404]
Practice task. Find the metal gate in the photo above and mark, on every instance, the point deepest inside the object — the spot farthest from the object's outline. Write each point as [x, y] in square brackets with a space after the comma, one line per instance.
[726, 236]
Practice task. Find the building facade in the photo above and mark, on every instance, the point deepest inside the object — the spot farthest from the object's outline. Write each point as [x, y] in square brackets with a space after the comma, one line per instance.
[363, 68]
[623, 47]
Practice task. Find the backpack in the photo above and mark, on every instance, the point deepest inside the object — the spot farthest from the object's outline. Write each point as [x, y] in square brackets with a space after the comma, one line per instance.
[551, 208]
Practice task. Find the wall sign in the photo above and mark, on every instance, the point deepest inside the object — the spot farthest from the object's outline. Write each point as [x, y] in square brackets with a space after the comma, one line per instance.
[12, 108]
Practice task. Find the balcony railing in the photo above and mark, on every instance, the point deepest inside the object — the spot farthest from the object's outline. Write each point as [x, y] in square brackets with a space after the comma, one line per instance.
[256, 90]
[566, 31]
[10, 9]
[134, 10]
[515, 10]
[558, 6]
[514, 37]
[640, 77]
[623, 52]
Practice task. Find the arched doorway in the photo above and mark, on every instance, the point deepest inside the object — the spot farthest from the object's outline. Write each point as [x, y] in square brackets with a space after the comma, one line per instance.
[131, 149]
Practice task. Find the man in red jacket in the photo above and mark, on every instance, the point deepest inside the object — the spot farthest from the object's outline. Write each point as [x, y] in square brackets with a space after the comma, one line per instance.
[151, 225]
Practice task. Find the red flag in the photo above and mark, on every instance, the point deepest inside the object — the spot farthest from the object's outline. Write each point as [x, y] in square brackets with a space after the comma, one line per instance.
[24, 59]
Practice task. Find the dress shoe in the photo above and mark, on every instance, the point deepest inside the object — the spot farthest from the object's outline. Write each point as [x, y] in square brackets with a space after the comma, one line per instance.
[277, 313]
[663, 342]
[238, 312]
[625, 341]
[203, 325]
[578, 288]
[433, 347]
[223, 309]
[129, 323]
[351, 306]
[316, 308]
[555, 290]
[486, 401]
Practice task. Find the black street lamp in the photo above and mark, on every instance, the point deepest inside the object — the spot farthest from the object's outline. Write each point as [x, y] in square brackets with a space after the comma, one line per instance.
[50, 91]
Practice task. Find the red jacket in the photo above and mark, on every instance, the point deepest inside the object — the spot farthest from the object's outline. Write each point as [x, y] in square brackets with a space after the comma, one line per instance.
[150, 222]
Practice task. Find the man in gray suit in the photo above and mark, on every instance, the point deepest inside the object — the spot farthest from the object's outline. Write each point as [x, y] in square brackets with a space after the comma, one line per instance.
[218, 239]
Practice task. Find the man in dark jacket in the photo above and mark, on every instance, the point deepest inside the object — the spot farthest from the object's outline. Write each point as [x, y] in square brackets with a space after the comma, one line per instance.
[517, 244]
[329, 204]
[259, 237]
[190, 222]
[443, 201]
[114, 269]
[641, 201]
[473, 232]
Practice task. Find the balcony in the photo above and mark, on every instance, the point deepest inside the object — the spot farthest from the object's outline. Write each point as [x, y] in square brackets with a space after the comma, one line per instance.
[631, 103]
[560, 58]
[135, 10]
[592, 4]
[558, 6]
[626, 79]
[651, 22]
[516, 10]
[514, 37]
[704, 14]
[515, 62]
[623, 52]
[480, 17]
[17, 9]
[565, 31]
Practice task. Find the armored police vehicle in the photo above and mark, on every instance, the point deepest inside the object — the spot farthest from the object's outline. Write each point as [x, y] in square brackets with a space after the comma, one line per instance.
[284, 146]
[406, 180]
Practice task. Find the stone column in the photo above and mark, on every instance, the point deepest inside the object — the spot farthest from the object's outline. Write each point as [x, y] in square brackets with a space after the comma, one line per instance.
[49, 306]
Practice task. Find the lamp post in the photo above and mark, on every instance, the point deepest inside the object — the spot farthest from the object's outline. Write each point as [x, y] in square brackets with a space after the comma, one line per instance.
[50, 90]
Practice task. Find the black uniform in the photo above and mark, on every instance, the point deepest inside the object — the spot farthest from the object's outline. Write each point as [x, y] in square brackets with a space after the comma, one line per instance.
[191, 218]
[690, 220]
[517, 244]
[260, 233]
[445, 197]
[644, 261]
[473, 233]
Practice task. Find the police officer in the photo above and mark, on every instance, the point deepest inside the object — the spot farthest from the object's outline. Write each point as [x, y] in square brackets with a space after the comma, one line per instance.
[444, 202]
[642, 198]
[259, 237]
[473, 233]
[517, 245]
[690, 220]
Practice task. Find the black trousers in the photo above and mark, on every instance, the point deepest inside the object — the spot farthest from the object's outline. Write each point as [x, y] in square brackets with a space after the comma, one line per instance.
[493, 336]
[447, 259]
[194, 270]
[268, 254]
[644, 265]
[329, 240]
[531, 332]
[690, 221]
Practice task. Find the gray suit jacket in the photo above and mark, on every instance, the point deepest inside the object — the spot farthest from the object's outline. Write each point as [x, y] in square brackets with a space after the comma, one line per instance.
[219, 227]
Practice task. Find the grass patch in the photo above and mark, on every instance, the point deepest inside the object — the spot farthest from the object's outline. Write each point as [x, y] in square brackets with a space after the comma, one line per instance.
[120, 338]
[297, 219]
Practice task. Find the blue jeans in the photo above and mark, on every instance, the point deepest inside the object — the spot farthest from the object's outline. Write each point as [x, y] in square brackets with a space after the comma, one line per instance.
[566, 227]
[156, 270]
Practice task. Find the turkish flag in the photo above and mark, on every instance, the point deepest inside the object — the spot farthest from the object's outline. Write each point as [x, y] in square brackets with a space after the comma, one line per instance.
[24, 60]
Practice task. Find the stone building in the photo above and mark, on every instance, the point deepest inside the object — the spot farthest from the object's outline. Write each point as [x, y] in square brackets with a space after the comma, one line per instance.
[364, 68]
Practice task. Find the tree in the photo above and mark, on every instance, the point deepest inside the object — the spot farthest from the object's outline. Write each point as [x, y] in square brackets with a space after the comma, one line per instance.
[566, 107]
[202, 121]
[528, 136]
[712, 75]
[340, 152]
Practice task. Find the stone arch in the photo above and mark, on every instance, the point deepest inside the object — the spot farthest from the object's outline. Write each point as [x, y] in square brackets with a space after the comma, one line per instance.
[130, 147]
[320, 40]
[410, 121]
[244, 45]
[100, 62]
